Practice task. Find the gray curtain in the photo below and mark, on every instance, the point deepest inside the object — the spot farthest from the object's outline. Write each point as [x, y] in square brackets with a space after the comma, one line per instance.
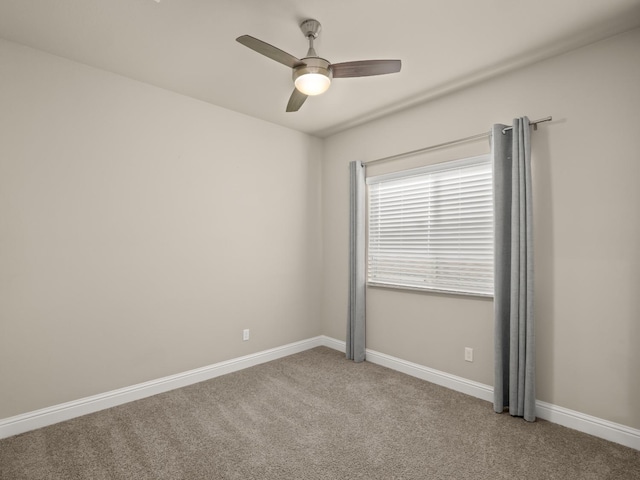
[356, 325]
[513, 298]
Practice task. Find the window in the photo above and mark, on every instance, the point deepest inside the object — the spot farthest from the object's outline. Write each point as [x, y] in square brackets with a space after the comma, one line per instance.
[431, 228]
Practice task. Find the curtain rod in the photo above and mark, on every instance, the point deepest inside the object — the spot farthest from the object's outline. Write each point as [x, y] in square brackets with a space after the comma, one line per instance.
[452, 142]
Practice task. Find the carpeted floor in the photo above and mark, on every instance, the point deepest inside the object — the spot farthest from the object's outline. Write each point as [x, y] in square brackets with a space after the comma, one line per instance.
[313, 415]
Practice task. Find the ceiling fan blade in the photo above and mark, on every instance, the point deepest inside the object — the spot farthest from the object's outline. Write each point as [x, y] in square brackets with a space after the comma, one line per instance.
[365, 68]
[296, 100]
[269, 51]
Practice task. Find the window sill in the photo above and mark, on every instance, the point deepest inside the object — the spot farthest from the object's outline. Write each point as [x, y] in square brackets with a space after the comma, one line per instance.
[429, 290]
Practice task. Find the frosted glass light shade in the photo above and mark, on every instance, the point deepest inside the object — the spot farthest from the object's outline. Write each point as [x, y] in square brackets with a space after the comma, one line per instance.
[312, 83]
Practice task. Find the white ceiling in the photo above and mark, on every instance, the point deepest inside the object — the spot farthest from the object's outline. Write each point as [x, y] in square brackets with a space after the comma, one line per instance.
[188, 46]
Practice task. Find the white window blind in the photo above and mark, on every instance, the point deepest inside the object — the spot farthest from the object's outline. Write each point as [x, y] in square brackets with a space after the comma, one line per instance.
[432, 228]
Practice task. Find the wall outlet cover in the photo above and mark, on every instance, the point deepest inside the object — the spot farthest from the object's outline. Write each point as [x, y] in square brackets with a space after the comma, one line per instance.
[468, 354]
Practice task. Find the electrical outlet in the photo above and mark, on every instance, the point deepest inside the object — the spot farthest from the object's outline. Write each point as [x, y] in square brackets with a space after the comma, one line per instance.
[468, 354]
[245, 334]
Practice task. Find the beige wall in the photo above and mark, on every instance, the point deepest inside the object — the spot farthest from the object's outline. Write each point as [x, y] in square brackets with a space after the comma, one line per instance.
[587, 229]
[141, 231]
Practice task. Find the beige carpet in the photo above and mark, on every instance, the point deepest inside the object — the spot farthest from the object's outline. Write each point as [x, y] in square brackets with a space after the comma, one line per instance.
[313, 415]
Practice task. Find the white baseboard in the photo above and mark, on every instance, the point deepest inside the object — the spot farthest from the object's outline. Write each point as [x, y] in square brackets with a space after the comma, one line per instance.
[597, 427]
[66, 411]
[614, 432]
[453, 382]
[339, 345]
[447, 380]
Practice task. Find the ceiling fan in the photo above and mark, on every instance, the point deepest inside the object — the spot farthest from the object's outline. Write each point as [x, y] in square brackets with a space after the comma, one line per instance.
[312, 75]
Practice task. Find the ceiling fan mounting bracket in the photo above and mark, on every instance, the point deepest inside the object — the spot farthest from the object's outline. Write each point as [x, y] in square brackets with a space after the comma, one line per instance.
[311, 28]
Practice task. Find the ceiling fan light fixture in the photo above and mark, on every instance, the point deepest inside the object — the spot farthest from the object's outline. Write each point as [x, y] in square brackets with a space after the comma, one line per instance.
[313, 77]
[313, 83]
